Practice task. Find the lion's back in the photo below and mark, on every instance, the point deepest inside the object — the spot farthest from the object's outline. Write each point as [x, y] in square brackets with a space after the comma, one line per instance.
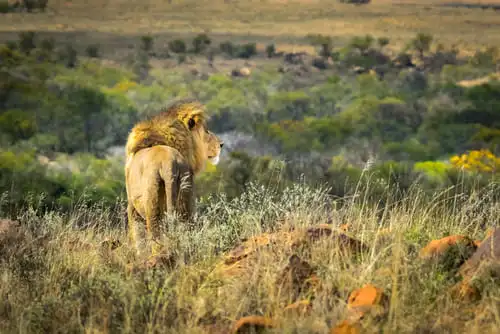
[164, 132]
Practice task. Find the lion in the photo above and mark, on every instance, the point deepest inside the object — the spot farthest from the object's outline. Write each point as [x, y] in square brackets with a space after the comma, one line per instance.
[164, 153]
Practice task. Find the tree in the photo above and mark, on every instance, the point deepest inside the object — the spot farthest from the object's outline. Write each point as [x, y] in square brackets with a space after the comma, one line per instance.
[200, 43]
[88, 104]
[362, 43]
[324, 43]
[421, 43]
[146, 44]
[270, 50]
[27, 41]
[177, 46]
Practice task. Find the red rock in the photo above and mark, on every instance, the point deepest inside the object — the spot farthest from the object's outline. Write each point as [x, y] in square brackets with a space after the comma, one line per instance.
[346, 328]
[324, 231]
[368, 295]
[247, 248]
[364, 300]
[252, 323]
[440, 246]
[240, 261]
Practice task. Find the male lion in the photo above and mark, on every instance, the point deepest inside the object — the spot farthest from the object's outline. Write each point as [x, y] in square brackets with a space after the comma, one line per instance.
[164, 153]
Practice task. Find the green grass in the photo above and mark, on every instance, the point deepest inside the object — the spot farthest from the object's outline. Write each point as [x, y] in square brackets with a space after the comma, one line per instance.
[56, 277]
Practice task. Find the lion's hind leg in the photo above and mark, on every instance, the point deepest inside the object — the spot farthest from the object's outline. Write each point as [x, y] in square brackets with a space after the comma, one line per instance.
[185, 204]
[132, 223]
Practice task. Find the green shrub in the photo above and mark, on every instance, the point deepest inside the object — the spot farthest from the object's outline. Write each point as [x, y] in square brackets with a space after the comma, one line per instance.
[247, 50]
[48, 44]
[12, 45]
[177, 46]
[68, 56]
[17, 124]
[146, 43]
[421, 43]
[487, 57]
[323, 42]
[270, 50]
[200, 43]
[362, 43]
[92, 51]
[27, 41]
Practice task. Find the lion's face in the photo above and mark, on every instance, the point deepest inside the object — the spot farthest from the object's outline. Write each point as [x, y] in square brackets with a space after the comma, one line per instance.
[214, 147]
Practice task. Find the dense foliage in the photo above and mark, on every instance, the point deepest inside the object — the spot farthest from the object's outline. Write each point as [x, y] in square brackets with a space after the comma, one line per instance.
[61, 115]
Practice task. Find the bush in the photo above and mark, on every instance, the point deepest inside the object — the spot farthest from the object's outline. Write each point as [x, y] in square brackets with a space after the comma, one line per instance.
[146, 43]
[227, 48]
[361, 43]
[487, 57]
[92, 51]
[200, 43]
[270, 50]
[177, 46]
[421, 43]
[12, 45]
[324, 42]
[247, 50]
[48, 44]
[17, 124]
[141, 65]
[68, 56]
[483, 161]
[27, 41]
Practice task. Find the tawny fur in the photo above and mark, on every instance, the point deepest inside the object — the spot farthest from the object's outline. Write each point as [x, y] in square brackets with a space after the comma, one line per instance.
[170, 128]
[164, 154]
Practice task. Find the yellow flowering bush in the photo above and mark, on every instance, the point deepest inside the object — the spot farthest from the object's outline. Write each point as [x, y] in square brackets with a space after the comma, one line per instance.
[477, 161]
[432, 169]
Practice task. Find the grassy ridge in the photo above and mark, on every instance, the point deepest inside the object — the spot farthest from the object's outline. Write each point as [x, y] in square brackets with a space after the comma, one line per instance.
[60, 278]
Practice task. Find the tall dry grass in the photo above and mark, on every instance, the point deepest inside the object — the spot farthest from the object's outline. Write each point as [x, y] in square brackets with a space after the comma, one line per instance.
[60, 274]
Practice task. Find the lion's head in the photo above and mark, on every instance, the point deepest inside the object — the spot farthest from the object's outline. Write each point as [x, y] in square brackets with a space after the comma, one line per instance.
[214, 147]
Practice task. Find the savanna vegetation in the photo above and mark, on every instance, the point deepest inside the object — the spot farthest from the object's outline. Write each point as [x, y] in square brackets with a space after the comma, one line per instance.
[394, 143]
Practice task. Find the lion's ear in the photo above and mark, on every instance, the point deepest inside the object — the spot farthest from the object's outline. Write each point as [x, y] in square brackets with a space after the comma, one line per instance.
[191, 123]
